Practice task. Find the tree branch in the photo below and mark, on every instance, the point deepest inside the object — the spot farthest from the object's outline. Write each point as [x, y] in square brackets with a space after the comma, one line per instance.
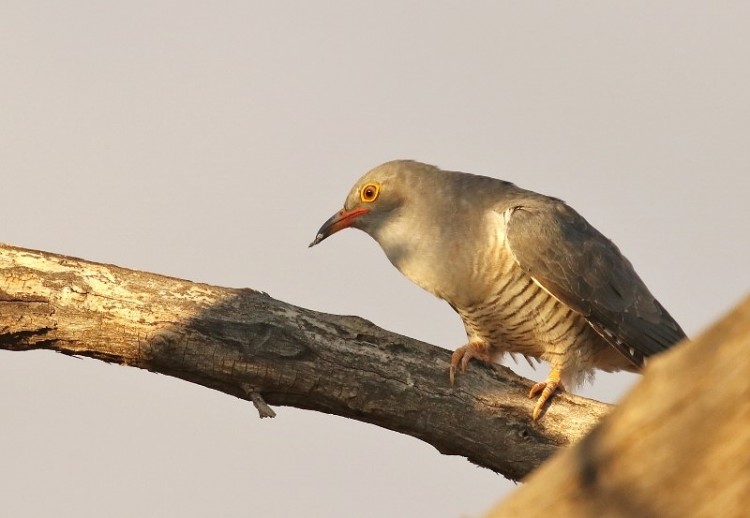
[247, 344]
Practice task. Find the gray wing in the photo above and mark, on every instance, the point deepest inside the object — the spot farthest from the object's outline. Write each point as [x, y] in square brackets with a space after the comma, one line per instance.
[583, 269]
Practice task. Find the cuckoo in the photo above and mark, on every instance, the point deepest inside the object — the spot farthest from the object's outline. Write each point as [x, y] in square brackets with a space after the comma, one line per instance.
[525, 272]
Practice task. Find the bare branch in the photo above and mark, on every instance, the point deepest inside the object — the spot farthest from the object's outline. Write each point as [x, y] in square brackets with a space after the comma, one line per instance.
[232, 339]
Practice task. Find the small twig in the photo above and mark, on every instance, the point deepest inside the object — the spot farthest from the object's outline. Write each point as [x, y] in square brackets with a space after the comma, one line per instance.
[260, 404]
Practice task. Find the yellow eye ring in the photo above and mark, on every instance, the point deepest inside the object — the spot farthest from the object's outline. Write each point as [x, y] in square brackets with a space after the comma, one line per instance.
[369, 192]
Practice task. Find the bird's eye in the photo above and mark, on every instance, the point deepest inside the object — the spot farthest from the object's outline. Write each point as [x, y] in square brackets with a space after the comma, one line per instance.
[369, 192]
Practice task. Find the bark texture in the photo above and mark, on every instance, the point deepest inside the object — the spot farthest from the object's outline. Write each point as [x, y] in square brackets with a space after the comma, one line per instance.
[249, 345]
[677, 446]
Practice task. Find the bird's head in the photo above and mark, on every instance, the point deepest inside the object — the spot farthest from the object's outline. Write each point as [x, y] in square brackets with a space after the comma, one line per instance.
[372, 201]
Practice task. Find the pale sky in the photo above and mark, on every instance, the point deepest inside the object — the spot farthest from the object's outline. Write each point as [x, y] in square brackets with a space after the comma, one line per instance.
[209, 141]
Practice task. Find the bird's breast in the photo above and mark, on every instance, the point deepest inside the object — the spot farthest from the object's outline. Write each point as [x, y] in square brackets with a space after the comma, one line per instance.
[511, 310]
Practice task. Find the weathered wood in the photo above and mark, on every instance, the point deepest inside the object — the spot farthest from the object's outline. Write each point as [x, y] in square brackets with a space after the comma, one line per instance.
[677, 446]
[249, 345]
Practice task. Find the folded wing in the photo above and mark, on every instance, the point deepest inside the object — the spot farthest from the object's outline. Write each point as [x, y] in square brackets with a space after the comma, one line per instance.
[583, 269]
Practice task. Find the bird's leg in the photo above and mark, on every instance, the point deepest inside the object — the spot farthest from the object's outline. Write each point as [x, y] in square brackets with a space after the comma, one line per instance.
[547, 388]
[463, 354]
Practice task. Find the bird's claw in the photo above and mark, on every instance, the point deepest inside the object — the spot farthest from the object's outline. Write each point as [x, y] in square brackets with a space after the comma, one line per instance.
[547, 388]
[462, 355]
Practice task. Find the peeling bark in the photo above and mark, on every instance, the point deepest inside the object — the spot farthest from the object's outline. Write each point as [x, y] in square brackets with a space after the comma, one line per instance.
[249, 345]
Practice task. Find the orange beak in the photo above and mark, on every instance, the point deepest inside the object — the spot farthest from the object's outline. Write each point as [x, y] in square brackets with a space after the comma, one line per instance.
[339, 221]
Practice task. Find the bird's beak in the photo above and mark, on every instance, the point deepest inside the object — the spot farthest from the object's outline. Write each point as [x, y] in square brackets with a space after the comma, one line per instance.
[339, 221]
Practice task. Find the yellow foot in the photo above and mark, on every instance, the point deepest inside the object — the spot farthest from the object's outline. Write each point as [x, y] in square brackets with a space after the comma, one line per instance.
[547, 388]
[463, 354]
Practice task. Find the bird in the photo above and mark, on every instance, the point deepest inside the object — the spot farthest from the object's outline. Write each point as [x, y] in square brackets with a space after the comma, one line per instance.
[525, 272]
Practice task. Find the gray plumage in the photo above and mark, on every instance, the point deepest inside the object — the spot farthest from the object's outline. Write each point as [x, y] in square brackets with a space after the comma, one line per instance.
[526, 273]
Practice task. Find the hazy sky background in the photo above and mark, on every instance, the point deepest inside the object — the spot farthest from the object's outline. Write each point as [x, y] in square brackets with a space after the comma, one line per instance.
[209, 140]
